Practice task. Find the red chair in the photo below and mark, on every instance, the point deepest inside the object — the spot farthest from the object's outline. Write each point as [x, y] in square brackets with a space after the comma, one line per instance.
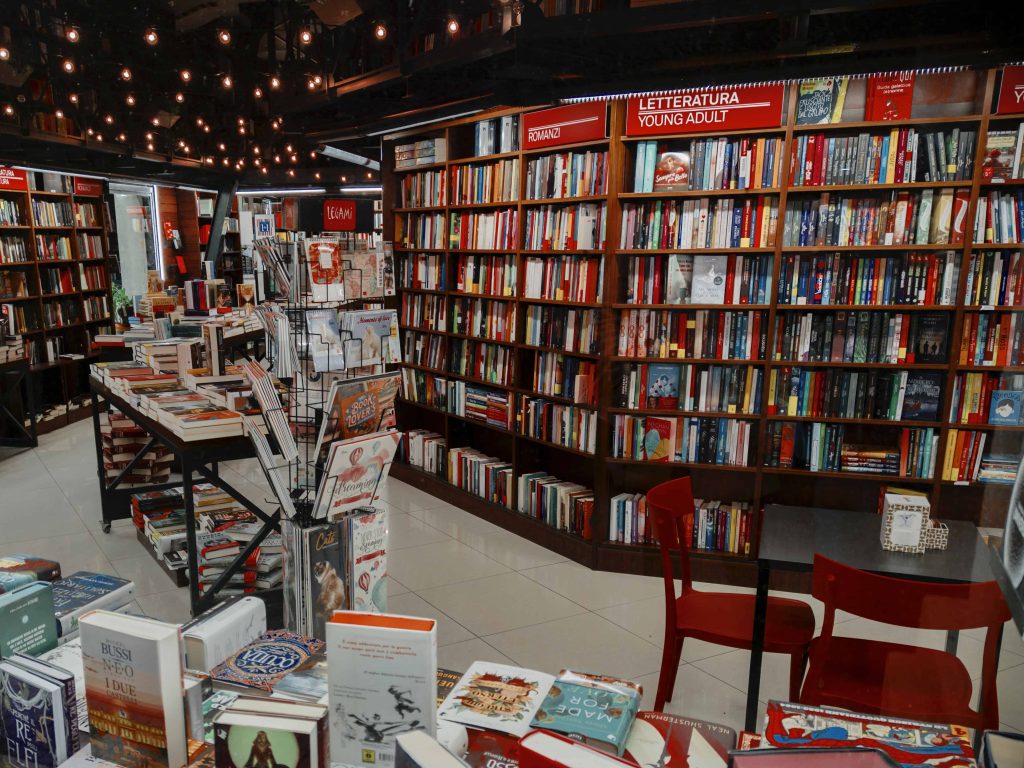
[878, 677]
[722, 618]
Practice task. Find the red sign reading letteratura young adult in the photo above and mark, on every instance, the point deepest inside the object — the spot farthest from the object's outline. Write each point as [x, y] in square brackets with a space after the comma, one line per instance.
[14, 179]
[88, 186]
[1011, 91]
[571, 124]
[339, 215]
[708, 109]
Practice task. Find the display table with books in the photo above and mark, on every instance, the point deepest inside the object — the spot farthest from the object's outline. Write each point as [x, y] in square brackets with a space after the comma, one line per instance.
[198, 460]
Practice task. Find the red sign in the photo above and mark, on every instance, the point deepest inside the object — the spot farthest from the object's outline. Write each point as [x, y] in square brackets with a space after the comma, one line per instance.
[1011, 91]
[709, 109]
[88, 186]
[889, 97]
[13, 179]
[339, 215]
[573, 124]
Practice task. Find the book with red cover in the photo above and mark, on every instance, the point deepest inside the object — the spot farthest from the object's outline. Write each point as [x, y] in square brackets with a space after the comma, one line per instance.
[889, 97]
[678, 738]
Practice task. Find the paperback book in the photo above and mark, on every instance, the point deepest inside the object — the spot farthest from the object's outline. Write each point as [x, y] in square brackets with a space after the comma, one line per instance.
[679, 741]
[19, 570]
[324, 257]
[259, 666]
[26, 620]
[709, 274]
[37, 725]
[84, 591]
[370, 337]
[325, 345]
[353, 472]
[497, 697]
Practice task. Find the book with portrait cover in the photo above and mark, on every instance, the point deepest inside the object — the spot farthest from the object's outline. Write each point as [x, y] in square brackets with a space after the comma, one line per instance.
[1005, 407]
[662, 386]
[353, 472]
[497, 697]
[324, 257]
[672, 172]
[133, 690]
[249, 740]
[261, 664]
[382, 671]
[682, 740]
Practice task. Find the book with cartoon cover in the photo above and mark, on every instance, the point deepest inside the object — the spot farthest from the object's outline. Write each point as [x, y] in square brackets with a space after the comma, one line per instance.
[353, 472]
[357, 407]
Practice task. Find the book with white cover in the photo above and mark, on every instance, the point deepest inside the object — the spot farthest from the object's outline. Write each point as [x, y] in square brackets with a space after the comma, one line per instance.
[496, 696]
[382, 677]
[325, 340]
[213, 636]
[69, 656]
[354, 471]
[370, 337]
[133, 689]
[709, 273]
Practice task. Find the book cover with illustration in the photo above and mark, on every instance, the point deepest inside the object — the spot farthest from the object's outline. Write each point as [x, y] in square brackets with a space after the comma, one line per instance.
[370, 337]
[324, 576]
[679, 741]
[659, 438]
[261, 664]
[1005, 407]
[325, 340]
[679, 278]
[709, 273]
[921, 400]
[498, 697]
[1000, 149]
[890, 96]
[246, 741]
[353, 473]
[36, 726]
[325, 260]
[18, 570]
[246, 295]
[672, 172]
[932, 337]
[369, 273]
[594, 709]
[382, 671]
[820, 100]
[366, 555]
[306, 682]
[662, 386]
[357, 407]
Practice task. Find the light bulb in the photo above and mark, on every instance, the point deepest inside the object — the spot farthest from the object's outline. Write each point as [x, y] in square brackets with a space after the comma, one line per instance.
[453, 26]
[89, 131]
[72, 35]
[263, 171]
[121, 137]
[275, 82]
[311, 85]
[8, 110]
[226, 81]
[109, 119]
[150, 146]
[179, 97]
[291, 172]
[99, 137]
[73, 98]
[206, 129]
[317, 175]
[380, 31]
[150, 37]
[68, 65]
[222, 147]
[258, 93]
[126, 74]
[155, 121]
[186, 76]
[59, 113]
[129, 100]
[317, 79]
[149, 135]
[226, 161]
[5, 54]
[199, 122]
[224, 37]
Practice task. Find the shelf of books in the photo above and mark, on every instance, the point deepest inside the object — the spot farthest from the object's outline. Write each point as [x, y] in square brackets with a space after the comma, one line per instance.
[55, 289]
[794, 293]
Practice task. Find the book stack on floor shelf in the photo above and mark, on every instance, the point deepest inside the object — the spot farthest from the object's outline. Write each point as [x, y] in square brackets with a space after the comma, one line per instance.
[828, 291]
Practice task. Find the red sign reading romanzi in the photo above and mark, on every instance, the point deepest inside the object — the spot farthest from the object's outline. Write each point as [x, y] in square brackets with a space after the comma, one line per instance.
[339, 215]
[13, 179]
[709, 109]
[1011, 91]
[88, 186]
[571, 124]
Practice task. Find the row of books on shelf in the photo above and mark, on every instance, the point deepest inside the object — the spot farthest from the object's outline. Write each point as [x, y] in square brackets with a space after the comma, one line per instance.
[570, 426]
[465, 399]
[14, 250]
[708, 164]
[422, 152]
[992, 338]
[563, 278]
[568, 328]
[482, 183]
[996, 279]
[907, 278]
[999, 217]
[707, 388]
[121, 440]
[862, 337]
[20, 317]
[491, 274]
[426, 311]
[565, 376]
[560, 504]
[10, 213]
[683, 439]
[12, 347]
[693, 334]
[695, 223]
[483, 318]
[492, 363]
[871, 394]
[497, 135]
[899, 218]
[702, 278]
[492, 230]
[423, 271]
[60, 313]
[962, 459]
[565, 228]
[54, 248]
[987, 398]
[821, 447]
[14, 284]
[96, 308]
[423, 189]
[425, 349]
[901, 156]
[422, 230]
[1002, 155]
[712, 526]
[567, 174]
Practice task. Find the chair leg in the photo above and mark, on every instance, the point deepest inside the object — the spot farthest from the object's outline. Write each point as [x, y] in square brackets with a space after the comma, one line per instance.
[797, 667]
[670, 655]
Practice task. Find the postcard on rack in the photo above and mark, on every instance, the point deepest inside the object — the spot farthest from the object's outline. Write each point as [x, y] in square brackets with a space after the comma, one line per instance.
[324, 257]
[325, 345]
[370, 337]
[353, 472]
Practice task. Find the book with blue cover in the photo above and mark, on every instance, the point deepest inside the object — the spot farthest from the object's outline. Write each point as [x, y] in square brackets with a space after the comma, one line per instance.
[597, 710]
[261, 664]
[85, 591]
[35, 724]
[18, 570]
[662, 386]
[1006, 407]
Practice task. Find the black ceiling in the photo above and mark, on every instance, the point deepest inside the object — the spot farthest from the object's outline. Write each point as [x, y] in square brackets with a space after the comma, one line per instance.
[368, 85]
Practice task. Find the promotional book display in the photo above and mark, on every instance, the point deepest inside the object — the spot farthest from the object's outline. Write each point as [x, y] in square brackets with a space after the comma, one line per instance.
[815, 290]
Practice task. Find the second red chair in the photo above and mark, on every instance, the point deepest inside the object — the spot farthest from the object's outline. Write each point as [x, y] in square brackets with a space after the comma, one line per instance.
[723, 618]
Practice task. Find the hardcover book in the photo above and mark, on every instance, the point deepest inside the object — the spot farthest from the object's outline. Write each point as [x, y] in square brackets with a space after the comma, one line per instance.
[890, 97]
[381, 676]
[36, 723]
[598, 711]
[416, 749]
[932, 337]
[214, 635]
[84, 591]
[18, 570]
[679, 278]
[1005, 407]
[261, 664]
[498, 697]
[246, 740]
[324, 257]
[69, 656]
[709, 273]
[133, 689]
[353, 473]
[672, 172]
[679, 741]
[921, 401]
[26, 620]
[307, 682]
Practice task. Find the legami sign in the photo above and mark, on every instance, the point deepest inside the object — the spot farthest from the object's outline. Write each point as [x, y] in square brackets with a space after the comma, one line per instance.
[708, 109]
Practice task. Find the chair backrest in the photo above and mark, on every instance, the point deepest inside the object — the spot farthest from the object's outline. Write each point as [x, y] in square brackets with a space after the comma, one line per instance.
[669, 508]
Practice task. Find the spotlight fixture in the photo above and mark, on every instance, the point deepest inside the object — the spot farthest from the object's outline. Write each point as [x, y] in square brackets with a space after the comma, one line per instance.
[5, 54]
[318, 80]
[59, 113]
[263, 171]
[275, 82]
[305, 37]
[317, 175]
[222, 147]
[150, 146]
[89, 131]
[8, 110]
[226, 81]
[208, 160]
[294, 158]
[181, 143]
[155, 121]
[224, 37]
[241, 130]
[380, 31]
[226, 161]
[344, 178]
[312, 154]
[68, 65]
[275, 124]
[277, 159]
[151, 37]
[311, 85]
[126, 74]
[129, 100]
[99, 137]
[256, 149]
[369, 175]
[121, 137]
[109, 119]
[73, 98]
[179, 97]
[206, 129]
[257, 93]
[288, 148]
[257, 162]
[453, 26]
[241, 121]
[291, 172]
[72, 35]
[149, 135]
[186, 75]
[199, 122]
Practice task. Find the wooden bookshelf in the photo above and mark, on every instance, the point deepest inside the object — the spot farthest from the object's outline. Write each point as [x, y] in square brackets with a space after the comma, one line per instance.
[754, 483]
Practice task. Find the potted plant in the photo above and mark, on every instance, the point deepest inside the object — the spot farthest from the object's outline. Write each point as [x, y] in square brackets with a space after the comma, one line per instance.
[122, 307]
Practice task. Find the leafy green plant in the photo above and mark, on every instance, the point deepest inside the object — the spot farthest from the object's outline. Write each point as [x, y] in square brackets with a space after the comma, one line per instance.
[122, 304]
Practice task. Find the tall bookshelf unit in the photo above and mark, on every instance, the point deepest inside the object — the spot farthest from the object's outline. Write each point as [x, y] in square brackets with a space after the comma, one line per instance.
[421, 222]
[62, 238]
[230, 264]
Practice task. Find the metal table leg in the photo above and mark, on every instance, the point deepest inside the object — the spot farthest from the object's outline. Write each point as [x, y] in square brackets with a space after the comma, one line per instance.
[757, 647]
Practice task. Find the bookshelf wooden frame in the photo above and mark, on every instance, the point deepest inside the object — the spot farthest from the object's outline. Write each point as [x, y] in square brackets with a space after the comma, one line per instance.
[607, 475]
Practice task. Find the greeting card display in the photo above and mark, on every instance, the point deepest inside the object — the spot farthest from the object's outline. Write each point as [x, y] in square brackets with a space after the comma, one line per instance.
[326, 268]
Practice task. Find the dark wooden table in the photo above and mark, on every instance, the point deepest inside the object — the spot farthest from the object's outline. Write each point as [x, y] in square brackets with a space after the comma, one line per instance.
[792, 536]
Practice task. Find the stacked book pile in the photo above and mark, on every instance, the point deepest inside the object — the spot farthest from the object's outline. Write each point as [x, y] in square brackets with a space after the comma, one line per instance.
[85, 591]
[868, 458]
[172, 355]
[121, 440]
[263, 569]
[11, 349]
[998, 468]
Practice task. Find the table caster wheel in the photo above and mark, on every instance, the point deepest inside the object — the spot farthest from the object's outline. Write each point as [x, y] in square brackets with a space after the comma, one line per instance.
[106, 527]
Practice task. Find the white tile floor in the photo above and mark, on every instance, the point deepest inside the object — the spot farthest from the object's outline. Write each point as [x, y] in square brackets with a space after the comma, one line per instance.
[496, 596]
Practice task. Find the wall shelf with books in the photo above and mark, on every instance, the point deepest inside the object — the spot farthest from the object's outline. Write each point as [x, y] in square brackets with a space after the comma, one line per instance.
[916, 250]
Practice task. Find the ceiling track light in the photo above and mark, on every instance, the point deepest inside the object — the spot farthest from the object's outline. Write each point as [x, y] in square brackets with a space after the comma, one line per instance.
[68, 65]
[126, 74]
[186, 75]
[179, 97]
[129, 100]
